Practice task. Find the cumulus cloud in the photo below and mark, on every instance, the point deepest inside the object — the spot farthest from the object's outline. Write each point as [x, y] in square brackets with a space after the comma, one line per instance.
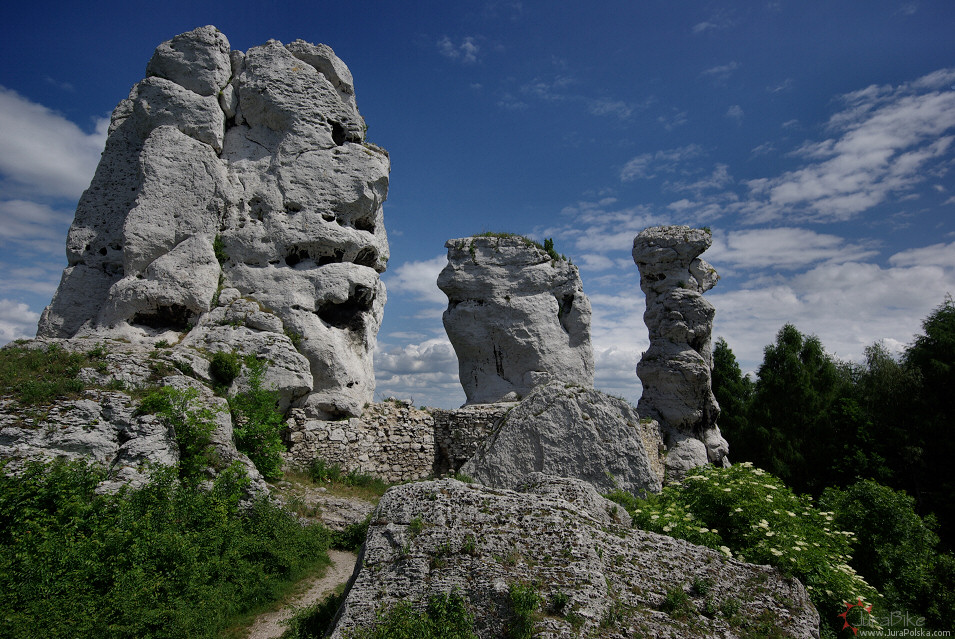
[783, 248]
[849, 305]
[36, 227]
[735, 113]
[17, 321]
[42, 154]
[885, 141]
[418, 279]
[426, 371]
[595, 228]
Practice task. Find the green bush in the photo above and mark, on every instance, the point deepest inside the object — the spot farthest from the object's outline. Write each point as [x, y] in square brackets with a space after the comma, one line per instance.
[167, 560]
[353, 537]
[897, 549]
[192, 422]
[224, 367]
[322, 472]
[257, 423]
[311, 622]
[38, 376]
[446, 617]
[524, 602]
[750, 515]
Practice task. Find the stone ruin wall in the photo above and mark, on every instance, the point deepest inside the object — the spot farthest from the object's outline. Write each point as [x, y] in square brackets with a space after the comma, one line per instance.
[392, 439]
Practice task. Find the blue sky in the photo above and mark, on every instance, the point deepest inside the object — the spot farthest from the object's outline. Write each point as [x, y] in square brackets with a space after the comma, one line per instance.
[816, 139]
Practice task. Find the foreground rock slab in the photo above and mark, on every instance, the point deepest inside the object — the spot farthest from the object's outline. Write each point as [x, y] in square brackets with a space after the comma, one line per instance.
[517, 317]
[561, 538]
[570, 431]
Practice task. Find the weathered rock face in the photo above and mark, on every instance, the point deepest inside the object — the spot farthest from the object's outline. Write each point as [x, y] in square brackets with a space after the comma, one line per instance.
[430, 538]
[104, 426]
[676, 369]
[240, 172]
[572, 432]
[516, 317]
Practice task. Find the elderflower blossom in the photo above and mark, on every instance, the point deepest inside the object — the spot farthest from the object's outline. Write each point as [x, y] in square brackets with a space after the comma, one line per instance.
[726, 551]
[778, 553]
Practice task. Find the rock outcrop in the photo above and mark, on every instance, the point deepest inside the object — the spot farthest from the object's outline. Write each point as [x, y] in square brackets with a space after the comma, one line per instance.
[229, 176]
[570, 431]
[104, 425]
[592, 571]
[517, 317]
[676, 370]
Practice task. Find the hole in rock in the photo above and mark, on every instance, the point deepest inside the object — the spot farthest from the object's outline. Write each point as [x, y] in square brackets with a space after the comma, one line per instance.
[292, 207]
[338, 133]
[349, 315]
[328, 217]
[102, 251]
[365, 225]
[367, 257]
[295, 257]
[335, 258]
[174, 316]
[564, 307]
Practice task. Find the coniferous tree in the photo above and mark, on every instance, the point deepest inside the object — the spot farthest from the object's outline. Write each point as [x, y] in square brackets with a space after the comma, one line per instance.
[733, 392]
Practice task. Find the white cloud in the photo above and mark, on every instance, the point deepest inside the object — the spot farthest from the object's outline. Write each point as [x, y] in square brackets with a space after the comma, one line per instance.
[37, 227]
[467, 51]
[722, 72]
[735, 112]
[782, 248]
[17, 321]
[418, 279]
[935, 255]
[848, 305]
[42, 154]
[594, 228]
[648, 165]
[425, 371]
[886, 140]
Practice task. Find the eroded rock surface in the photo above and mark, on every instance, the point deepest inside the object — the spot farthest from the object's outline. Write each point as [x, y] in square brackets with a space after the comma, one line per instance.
[104, 426]
[571, 431]
[569, 543]
[517, 318]
[676, 370]
[244, 173]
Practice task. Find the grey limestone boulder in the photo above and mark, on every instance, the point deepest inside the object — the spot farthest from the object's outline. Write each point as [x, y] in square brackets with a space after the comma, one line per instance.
[676, 370]
[246, 172]
[571, 431]
[563, 539]
[517, 318]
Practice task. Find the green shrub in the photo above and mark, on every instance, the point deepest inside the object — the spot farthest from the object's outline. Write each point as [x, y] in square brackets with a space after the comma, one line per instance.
[167, 560]
[193, 423]
[676, 603]
[224, 367]
[257, 423]
[311, 622]
[322, 472]
[353, 537]
[896, 551]
[446, 617]
[524, 601]
[219, 249]
[750, 515]
[39, 376]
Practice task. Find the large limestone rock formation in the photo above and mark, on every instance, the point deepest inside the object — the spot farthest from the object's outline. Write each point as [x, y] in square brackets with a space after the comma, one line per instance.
[676, 369]
[237, 177]
[570, 431]
[517, 317]
[594, 572]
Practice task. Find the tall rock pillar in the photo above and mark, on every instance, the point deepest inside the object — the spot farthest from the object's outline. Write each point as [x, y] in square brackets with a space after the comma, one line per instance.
[517, 317]
[676, 370]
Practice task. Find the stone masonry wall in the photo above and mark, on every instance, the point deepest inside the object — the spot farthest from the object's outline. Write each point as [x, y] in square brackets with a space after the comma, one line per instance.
[458, 432]
[393, 439]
